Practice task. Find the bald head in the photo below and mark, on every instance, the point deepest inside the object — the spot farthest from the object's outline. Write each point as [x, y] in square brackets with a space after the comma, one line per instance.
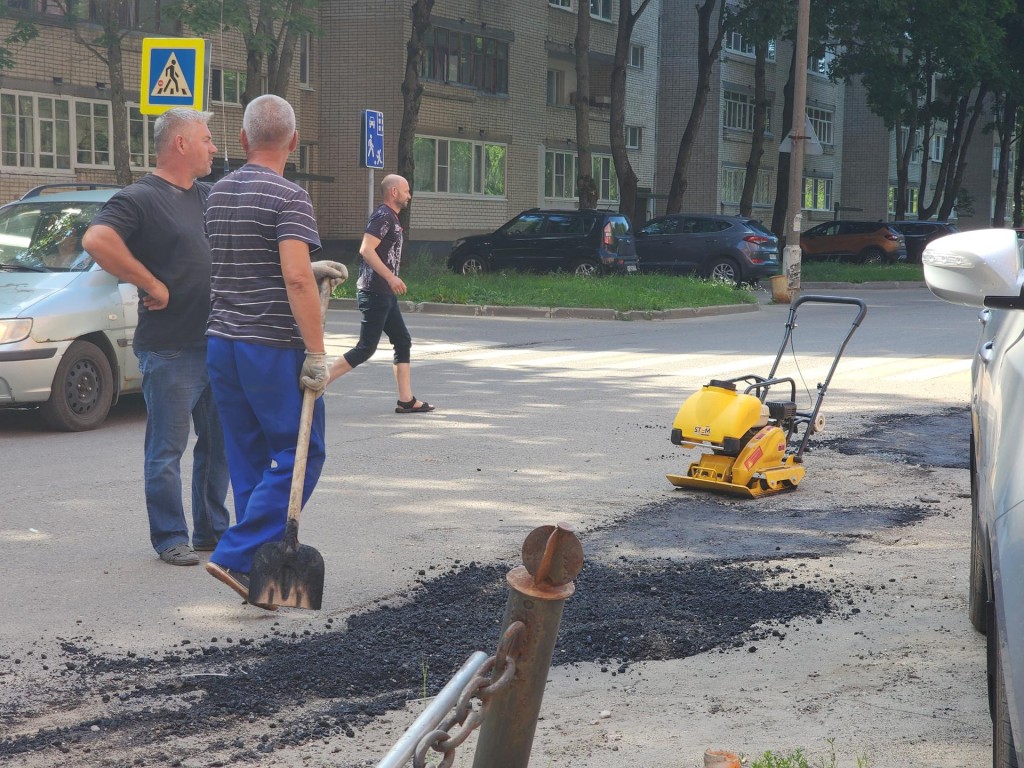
[269, 123]
[395, 191]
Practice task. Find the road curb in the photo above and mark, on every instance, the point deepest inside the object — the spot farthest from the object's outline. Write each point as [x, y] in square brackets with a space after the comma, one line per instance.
[557, 313]
[591, 313]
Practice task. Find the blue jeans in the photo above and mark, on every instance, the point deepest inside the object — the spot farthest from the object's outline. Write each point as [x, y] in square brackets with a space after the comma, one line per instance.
[381, 314]
[259, 399]
[177, 390]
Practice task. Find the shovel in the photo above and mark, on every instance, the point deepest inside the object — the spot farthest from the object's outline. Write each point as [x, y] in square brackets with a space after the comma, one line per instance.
[288, 573]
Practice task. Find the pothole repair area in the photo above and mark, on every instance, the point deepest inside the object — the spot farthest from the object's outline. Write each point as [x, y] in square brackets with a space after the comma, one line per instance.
[685, 576]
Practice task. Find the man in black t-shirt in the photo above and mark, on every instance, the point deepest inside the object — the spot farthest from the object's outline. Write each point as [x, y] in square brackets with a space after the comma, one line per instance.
[379, 287]
[152, 234]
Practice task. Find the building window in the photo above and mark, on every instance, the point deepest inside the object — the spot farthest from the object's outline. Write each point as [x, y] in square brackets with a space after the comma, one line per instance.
[602, 9]
[35, 131]
[226, 86]
[141, 144]
[636, 56]
[560, 172]
[560, 3]
[556, 87]
[634, 137]
[938, 147]
[92, 132]
[604, 177]
[817, 194]
[733, 179]
[560, 175]
[820, 65]
[459, 167]
[738, 110]
[822, 122]
[911, 201]
[465, 59]
[735, 43]
[304, 42]
[917, 151]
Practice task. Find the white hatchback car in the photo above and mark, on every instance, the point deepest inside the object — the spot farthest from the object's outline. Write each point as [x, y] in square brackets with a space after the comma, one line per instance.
[66, 326]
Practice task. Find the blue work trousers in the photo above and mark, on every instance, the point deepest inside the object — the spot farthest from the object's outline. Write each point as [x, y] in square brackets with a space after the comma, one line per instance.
[258, 395]
[177, 390]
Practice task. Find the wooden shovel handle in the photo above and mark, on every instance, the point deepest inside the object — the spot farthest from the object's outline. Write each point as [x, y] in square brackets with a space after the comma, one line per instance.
[302, 444]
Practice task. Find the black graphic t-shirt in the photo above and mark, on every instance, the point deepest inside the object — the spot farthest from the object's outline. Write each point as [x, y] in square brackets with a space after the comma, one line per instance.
[383, 225]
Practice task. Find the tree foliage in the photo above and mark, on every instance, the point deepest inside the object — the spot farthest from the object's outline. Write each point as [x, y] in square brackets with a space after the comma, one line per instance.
[270, 30]
[926, 66]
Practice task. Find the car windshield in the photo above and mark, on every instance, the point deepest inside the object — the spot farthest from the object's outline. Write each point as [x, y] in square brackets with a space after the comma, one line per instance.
[760, 228]
[45, 236]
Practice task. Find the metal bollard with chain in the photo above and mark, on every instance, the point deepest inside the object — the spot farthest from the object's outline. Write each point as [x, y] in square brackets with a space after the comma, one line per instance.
[495, 674]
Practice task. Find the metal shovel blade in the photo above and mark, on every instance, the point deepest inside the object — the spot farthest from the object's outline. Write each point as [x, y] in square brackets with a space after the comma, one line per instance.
[286, 575]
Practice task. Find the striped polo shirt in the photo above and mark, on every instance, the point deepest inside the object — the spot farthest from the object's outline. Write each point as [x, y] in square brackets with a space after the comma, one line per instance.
[248, 214]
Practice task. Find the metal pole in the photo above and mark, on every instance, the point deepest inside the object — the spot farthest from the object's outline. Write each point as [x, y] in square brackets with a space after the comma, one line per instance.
[791, 253]
[537, 593]
[431, 717]
[369, 211]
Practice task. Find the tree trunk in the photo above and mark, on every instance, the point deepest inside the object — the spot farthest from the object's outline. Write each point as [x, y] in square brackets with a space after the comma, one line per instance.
[761, 105]
[708, 47]
[119, 113]
[586, 189]
[279, 65]
[412, 94]
[617, 128]
[1005, 127]
[782, 177]
[1018, 180]
[961, 143]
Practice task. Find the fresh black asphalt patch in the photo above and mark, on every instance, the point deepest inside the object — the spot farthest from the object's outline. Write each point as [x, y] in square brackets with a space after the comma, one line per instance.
[685, 576]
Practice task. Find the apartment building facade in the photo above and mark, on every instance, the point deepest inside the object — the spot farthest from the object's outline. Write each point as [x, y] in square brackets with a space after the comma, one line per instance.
[497, 123]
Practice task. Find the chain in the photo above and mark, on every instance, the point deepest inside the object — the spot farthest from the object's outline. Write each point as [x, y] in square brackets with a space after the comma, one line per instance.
[483, 686]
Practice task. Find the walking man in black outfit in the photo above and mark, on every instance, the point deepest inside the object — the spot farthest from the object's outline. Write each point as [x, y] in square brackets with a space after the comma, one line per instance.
[379, 287]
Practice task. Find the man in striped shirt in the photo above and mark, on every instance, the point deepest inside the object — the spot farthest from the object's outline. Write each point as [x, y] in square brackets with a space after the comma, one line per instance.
[265, 332]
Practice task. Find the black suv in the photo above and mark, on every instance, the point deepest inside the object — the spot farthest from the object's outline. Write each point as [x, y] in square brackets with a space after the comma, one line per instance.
[583, 242]
[919, 233]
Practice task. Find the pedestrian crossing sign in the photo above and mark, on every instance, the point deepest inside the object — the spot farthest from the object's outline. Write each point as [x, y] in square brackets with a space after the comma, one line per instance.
[173, 74]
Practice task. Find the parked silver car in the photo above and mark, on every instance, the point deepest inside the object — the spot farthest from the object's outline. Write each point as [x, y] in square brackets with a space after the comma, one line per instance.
[66, 326]
[985, 268]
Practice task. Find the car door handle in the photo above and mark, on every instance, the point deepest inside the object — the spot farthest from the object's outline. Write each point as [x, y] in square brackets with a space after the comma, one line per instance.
[986, 352]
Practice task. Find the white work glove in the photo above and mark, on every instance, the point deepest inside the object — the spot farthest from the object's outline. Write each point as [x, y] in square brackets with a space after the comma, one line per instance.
[314, 373]
[333, 271]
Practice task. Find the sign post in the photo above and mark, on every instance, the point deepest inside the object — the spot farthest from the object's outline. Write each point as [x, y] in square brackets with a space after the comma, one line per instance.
[373, 146]
[173, 74]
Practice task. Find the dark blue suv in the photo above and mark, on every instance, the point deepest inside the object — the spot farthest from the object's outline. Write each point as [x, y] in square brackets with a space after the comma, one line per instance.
[583, 242]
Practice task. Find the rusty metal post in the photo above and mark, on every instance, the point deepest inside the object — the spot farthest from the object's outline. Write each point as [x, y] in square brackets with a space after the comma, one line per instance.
[552, 558]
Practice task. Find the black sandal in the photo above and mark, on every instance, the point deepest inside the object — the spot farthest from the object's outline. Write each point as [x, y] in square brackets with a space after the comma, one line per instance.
[409, 406]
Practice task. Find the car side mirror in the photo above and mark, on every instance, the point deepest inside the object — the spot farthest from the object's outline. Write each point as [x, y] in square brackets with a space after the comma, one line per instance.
[970, 268]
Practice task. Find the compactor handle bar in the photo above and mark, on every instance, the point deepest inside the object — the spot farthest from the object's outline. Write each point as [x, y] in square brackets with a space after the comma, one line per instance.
[862, 310]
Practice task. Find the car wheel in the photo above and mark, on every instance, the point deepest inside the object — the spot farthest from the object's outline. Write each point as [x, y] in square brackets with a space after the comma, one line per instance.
[977, 595]
[585, 268]
[1004, 752]
[873, 256]
[82, 390]
[723, 270]
[471, 265]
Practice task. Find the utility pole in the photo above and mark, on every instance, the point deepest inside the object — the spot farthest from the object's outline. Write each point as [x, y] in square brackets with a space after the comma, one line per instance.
[791, 253]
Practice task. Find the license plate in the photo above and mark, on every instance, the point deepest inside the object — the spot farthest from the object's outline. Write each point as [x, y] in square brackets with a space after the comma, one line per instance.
[631, 268]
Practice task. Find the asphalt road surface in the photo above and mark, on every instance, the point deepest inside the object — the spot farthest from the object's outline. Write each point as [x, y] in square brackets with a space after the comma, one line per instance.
[538, 421]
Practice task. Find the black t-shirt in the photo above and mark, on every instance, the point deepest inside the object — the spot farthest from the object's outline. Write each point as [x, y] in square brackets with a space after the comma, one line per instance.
[164, 227]
[383, 225]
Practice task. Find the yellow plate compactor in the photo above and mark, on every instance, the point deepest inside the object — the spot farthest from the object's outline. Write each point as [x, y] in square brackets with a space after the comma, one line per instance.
[755, 443]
